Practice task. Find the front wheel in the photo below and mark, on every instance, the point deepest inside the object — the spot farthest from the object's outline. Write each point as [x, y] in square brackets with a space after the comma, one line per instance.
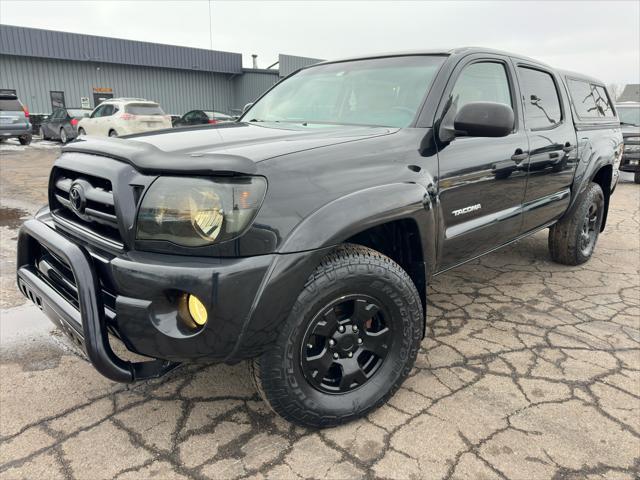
[636, 177]
[42, 135]
[63, 136]
[349, 342]
[573, 239]
[113, 133]
[81, 132]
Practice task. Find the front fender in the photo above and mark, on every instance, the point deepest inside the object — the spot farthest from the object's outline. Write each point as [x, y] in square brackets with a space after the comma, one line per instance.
[313, 238]
[356, 212]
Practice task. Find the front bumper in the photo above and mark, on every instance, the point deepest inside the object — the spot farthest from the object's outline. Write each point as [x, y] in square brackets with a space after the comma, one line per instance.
[630, 162]
[134, 296]
[86, 324]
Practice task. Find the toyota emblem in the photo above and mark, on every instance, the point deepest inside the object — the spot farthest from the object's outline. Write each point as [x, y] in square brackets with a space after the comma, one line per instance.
[76, 198]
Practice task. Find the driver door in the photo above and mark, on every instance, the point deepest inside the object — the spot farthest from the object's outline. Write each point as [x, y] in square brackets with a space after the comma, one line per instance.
[482, 180]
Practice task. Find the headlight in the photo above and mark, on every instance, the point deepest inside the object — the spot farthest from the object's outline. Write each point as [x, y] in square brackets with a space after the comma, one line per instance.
[195, 212]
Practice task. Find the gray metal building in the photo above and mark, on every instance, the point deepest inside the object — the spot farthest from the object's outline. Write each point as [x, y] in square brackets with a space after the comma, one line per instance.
[46, 68]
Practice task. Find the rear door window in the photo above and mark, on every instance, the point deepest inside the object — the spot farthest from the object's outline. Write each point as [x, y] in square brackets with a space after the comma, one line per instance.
[541, 100]
[10, 105]
[143, 109]
[58, 114]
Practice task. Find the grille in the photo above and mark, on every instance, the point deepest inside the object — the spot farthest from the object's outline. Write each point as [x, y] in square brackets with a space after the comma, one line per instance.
[92, 210]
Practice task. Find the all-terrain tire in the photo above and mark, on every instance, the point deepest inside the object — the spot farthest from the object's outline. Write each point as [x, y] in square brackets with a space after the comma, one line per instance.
[349, 270]
[573, 239]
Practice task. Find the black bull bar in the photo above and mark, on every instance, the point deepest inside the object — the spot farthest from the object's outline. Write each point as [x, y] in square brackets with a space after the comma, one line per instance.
[86, 326]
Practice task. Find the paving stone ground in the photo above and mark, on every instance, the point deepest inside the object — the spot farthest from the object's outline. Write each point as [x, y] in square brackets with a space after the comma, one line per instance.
[531, 371]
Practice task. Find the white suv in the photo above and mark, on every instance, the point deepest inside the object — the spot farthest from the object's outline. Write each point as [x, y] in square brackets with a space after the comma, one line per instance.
[123, 116]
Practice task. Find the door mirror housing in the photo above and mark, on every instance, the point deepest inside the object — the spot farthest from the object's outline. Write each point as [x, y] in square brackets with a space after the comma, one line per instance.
[484, 119]
[247, 107]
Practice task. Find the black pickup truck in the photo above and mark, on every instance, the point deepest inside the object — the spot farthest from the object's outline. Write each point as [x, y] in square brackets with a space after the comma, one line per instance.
[303, 236]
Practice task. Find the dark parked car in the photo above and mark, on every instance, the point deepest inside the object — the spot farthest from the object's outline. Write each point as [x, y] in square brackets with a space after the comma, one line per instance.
[202, 117]
[14, 119]
[62, 124]
[303, 236]
[629, 113]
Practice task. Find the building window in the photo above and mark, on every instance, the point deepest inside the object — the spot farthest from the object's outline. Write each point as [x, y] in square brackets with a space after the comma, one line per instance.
[57, 100]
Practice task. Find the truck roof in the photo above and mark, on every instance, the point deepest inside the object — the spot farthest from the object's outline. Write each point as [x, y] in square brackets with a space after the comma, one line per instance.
[579, 76]
[463, 51]
[447, 52]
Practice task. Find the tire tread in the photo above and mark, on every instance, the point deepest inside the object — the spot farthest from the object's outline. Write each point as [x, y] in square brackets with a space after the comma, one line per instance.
[268, 382]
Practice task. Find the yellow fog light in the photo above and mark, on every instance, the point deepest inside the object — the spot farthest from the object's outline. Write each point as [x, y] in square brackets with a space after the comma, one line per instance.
[192, 311]
[197, 310]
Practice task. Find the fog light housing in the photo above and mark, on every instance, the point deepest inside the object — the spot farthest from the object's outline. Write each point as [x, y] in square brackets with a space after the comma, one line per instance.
[192, 311]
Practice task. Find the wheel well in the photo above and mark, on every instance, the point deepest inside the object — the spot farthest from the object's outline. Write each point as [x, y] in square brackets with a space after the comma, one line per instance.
[400, 241]
[603, 178]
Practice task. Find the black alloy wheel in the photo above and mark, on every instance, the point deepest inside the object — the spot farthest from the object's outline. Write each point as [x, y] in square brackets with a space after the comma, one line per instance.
[573, 239]
[345, 344]
[590, 228]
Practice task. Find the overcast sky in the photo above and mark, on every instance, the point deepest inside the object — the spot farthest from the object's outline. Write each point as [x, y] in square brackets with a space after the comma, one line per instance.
[597, 38]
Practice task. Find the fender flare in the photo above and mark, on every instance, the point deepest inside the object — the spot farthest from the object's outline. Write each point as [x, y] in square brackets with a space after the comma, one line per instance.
[356, 212]
[586, 171]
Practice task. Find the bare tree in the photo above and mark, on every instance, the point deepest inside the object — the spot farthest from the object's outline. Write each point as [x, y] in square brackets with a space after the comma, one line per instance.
[615, 90]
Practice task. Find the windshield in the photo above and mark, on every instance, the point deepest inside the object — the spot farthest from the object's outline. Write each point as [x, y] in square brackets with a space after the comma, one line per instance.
[384, 91]
[629, 115]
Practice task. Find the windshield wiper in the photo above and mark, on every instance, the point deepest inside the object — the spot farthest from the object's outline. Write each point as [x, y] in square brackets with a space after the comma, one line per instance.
[627, 123]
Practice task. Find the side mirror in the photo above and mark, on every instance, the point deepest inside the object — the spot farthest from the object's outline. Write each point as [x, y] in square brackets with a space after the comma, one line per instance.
[246, 107]
[484, 119]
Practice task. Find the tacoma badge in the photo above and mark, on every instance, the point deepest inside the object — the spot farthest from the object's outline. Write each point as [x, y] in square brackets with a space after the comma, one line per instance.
[470, 208]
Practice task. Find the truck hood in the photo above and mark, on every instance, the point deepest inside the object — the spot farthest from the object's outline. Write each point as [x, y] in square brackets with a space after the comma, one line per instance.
[232, 148]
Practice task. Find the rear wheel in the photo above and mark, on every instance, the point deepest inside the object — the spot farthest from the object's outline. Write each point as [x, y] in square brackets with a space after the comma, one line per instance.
[573, 239]
[63, 136]
[350, 340]
[113, 133]
[636, 177]
[25, 139]
[81, 132]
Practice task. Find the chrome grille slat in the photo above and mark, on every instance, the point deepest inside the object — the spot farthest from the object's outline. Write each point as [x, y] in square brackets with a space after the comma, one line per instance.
[95, 194]
[95, 214]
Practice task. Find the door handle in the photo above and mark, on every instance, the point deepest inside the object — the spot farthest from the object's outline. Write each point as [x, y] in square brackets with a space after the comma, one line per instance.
[519, 155]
